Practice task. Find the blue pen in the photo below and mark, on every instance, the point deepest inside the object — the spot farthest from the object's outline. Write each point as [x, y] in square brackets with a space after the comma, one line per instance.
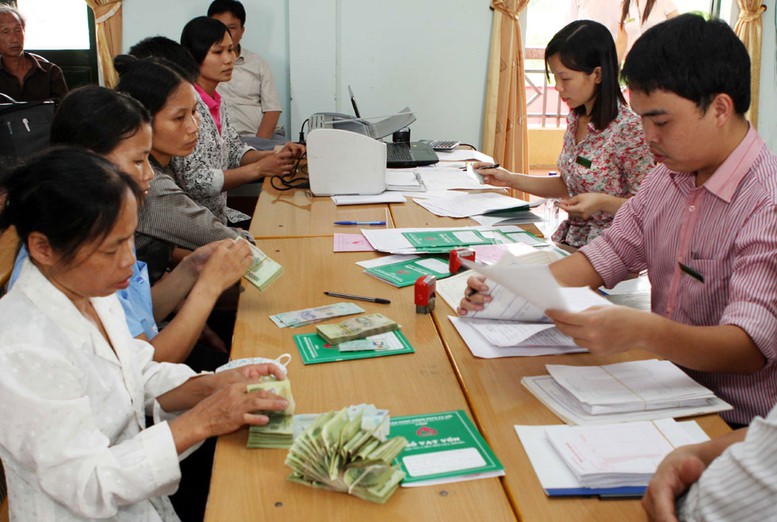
[374, 223]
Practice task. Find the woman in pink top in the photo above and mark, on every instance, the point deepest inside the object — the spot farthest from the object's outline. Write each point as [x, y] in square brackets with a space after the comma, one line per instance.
[604, 156]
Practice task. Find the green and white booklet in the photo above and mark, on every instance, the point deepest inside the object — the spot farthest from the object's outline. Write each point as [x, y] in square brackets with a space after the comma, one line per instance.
[443, 447]
[314, 349]
[401, 271]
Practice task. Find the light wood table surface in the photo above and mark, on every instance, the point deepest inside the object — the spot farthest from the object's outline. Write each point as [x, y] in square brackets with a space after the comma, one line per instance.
[8, 245]
[252, 485]
[298, 213]
[499, 401]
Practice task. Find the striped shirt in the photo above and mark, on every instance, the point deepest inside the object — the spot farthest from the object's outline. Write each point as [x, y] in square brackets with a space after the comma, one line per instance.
[741, 484]
[724, 234]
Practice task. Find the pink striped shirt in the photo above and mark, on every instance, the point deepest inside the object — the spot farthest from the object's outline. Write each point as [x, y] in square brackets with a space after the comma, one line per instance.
[726, 231]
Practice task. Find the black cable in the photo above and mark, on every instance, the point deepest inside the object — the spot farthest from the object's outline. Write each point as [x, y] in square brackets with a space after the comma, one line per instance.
[302, 132]
[291, 180]
[468, 145]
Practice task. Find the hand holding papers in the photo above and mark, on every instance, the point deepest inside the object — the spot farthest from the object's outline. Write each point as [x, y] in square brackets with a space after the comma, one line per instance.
[523, 292]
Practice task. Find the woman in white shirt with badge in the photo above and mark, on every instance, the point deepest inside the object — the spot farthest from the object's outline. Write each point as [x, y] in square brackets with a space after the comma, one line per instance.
[75, 385]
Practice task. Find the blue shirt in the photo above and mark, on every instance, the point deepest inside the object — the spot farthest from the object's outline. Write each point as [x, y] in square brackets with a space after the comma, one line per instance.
[135, 299]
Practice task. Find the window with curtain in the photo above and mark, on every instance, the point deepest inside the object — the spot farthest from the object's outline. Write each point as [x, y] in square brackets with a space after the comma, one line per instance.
[544, 19]
[62, 32]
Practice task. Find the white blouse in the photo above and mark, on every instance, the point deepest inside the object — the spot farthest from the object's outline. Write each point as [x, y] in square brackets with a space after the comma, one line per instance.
[73, 438]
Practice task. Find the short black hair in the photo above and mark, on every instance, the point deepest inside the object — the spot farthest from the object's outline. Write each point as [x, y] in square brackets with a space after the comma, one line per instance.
[202, 33]
[162, 47]
[584, 45]
[693, 58]
[97, 119]
[69, 194]
[228, 6]
[149, 81]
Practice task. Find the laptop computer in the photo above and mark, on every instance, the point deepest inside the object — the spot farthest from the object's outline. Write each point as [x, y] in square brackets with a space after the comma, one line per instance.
[402, 155]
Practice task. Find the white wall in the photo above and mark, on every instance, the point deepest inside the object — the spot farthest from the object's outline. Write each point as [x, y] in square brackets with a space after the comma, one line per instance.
[266, 30]
[430, 55]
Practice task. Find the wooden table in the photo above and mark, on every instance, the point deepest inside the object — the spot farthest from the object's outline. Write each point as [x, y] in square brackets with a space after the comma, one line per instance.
[8, 245]
[252, 485]
[441, 375]
[298, 213]
[499, 401]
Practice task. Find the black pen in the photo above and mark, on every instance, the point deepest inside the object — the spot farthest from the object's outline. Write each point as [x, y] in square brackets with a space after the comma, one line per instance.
[378, 300]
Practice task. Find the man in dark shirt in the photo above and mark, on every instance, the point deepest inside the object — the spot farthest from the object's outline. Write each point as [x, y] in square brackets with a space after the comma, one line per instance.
[25, 76]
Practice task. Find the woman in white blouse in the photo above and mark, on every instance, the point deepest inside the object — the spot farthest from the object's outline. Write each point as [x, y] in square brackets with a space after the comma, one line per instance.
[75, 387]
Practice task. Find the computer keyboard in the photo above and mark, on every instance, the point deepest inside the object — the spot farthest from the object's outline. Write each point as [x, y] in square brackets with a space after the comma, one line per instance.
[396, 152]
[442, 145]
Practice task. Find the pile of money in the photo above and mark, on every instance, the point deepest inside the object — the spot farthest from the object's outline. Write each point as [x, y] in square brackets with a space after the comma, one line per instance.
[356, 328]
[313, 315]
[263, 270]
[347, 451]
[279, 432]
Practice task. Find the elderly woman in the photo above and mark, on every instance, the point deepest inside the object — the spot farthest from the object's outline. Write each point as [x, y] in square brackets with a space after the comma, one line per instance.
[76, 386]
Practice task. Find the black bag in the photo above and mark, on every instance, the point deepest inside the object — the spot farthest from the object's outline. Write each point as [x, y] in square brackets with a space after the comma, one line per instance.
[24, 127]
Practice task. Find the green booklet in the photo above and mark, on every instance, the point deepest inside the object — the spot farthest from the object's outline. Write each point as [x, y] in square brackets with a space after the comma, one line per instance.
[314, 349]
[443, 447]
[404, 273]
[444, 240]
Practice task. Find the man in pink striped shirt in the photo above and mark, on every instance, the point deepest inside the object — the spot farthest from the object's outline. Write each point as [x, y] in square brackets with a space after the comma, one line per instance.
[704, 224]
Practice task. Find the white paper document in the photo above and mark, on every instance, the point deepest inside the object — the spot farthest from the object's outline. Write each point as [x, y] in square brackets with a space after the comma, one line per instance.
[636, 448]
[385, 197]
[529, 285]
[458, 205]
[481, 347]
[464, 155]
[569, 410]
[630, 386]
[392, 241]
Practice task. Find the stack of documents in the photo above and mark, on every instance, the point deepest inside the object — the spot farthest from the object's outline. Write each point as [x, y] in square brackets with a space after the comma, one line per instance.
[608, 460]
[458, 205]
[347, 451]
[263, 270]
[629, 391]
[278, 433]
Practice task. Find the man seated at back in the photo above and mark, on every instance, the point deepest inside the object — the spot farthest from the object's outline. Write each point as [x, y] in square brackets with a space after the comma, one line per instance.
[254, 107]
[704, 224]
[25, 76]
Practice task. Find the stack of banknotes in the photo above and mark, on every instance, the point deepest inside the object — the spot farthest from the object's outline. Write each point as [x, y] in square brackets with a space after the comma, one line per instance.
[348, 451]
[356, 328]
[279, 432]
[263, 270]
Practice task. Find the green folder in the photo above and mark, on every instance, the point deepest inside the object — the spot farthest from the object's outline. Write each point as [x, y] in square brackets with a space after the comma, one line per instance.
[314, 349]
[443, 447]
[405, 273]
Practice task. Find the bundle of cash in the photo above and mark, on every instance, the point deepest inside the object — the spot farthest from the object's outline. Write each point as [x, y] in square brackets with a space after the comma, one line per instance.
[279, 432]
[312, 315]
[263, 270]
[338, 451]
[356, 328]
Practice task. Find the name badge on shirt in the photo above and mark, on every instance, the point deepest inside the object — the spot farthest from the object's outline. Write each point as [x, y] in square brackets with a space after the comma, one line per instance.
[585, 162]
[691, 272]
